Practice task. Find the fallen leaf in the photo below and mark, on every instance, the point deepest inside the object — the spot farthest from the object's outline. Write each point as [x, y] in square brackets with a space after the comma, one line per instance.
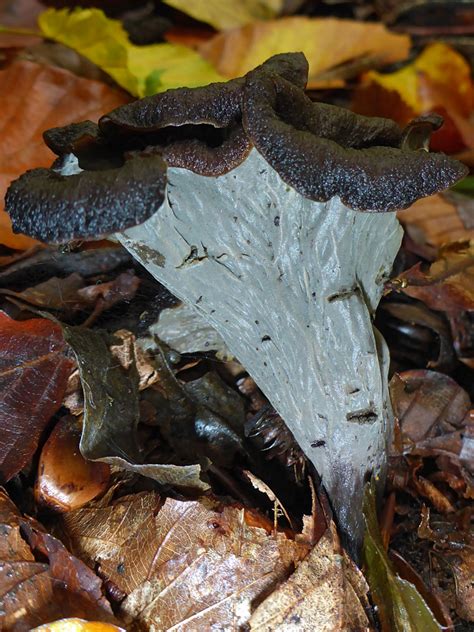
[44, 263]
[65, 479]
[415, 334]
[427, 404]
[438, 80]
[437, 220]
[184, 564]
[406, 571]
[400, 606]
[453, 549]
[326, 42]
[43, 97]
[53, 294]
[142, 70]
[319, 595]
[227, 14]
[34, 371]
[34, 592]
[448, 285]
[111, 410]
[109, 370]
[185, 478]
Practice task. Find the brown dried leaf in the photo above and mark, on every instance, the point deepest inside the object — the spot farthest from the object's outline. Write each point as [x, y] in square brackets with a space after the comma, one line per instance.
[54, 294]
[449, 284]
[33, 375]
[434, 221]
[427, 405]
[34, 592]
[453, 549]
[326, 592]
[129, 352]
[44, 263]
[103, 296]
[184, 564]
[43, 97]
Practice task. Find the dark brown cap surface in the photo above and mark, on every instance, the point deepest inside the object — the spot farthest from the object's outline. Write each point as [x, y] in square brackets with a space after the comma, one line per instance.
[323, 151]
[56, 208]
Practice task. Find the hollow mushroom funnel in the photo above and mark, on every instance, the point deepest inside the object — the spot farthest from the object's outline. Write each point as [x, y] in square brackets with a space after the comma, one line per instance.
[260, 230]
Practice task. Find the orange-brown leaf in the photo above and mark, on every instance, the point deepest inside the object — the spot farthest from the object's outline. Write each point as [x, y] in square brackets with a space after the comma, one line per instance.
[436, 220]
[184, 564]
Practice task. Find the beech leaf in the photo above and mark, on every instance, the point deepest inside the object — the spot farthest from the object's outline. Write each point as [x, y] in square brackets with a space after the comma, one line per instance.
[40, 580]
[448, 285]
[33, 376]
[111, 384]
[141, 70]
[326, 592]
[169, 557]
[111, 410]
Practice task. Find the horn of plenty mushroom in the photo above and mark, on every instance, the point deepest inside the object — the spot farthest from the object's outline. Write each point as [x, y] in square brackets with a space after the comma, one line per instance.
[244, 199]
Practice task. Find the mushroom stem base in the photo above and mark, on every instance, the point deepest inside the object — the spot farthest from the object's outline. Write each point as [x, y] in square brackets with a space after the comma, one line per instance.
[291, 285]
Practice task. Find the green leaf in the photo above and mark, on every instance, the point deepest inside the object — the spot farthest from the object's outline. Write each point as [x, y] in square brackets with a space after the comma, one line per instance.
[105, 42]
[465, 186]
[227, 14]
[401, 608]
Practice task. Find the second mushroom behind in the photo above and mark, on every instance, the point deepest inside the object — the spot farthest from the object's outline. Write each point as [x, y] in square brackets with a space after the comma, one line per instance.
[273, 226]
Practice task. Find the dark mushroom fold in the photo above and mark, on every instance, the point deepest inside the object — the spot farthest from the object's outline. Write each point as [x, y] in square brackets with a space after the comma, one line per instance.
[199, 129]
[57, 208]
[320, 150]
[85, 141]
[323, 151]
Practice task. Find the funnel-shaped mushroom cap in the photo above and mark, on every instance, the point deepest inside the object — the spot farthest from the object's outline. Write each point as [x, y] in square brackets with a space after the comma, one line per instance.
[320, 150]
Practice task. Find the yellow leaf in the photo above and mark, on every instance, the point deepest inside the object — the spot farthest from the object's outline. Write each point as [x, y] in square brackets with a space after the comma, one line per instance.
[443, 67]
[142, 70]
[326, 42]
[227, 14]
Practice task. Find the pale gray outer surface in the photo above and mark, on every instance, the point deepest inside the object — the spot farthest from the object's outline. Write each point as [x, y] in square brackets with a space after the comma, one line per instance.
[290, 285]
[185, 330]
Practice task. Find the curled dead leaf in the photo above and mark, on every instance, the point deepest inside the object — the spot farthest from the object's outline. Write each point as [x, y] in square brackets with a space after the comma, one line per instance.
[40, 580]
